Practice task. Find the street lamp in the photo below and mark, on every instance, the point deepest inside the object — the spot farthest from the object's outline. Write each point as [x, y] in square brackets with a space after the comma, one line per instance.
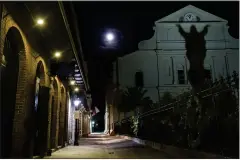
[76, 89]
[40, 22]
[57, 54]
[72, 82]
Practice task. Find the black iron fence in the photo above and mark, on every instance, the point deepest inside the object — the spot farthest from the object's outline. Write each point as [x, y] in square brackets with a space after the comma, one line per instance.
[211, 125]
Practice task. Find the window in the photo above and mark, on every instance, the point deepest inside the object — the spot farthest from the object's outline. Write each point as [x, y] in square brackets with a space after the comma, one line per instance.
[139, 79]
[181, 77]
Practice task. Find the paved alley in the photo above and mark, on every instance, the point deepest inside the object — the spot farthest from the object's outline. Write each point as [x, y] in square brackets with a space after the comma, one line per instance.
[102, 146]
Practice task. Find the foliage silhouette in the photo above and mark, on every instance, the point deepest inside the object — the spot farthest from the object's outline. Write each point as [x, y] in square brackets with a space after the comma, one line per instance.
[133, 98]
[181, 125]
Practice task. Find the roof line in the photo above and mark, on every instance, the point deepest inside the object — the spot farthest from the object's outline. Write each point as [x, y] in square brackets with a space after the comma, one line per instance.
[71, 40]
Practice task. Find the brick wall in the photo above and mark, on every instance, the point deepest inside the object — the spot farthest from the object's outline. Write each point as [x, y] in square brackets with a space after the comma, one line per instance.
[24, 95]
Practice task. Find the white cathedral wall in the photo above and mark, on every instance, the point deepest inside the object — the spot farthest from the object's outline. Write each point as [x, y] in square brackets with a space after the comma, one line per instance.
[146, 61]
[170, 46]
[233, 61]
[169, 38]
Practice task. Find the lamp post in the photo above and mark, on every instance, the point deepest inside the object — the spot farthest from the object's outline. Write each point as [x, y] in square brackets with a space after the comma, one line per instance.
[76, 116]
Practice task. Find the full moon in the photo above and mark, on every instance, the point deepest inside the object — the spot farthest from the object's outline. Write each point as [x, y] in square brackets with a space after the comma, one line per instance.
[110, 36]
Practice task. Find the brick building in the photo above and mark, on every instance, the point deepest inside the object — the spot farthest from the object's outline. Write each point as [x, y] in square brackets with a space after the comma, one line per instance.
[34, 92]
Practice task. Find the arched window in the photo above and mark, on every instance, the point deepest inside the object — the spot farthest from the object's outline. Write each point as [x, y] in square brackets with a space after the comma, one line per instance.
[181, 74]
[139, 79]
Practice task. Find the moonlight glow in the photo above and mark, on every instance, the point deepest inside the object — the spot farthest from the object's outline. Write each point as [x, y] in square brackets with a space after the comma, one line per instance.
[111, 39]
[110, 36]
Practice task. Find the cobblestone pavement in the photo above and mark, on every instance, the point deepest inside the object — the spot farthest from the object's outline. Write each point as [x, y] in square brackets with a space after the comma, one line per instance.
[103, 146]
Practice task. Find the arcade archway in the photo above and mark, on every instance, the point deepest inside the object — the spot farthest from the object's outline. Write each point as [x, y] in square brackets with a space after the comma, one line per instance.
[54, 106]
[12, 51]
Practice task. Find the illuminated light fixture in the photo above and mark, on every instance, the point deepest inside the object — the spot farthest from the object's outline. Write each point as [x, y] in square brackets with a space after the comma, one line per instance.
[76, 70]
[72, 82]
[57, 54]
[78, 78]
[40, 21]
[77, 75]
[77, 102]
[76, 89]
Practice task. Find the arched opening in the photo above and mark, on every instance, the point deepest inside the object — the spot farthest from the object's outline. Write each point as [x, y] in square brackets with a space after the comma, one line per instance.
[38, 111]
[13, 48]
[61, 119]
[54, 114]
[60, 126]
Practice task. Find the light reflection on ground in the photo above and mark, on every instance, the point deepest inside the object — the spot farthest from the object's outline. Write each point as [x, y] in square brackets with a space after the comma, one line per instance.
[102, 146]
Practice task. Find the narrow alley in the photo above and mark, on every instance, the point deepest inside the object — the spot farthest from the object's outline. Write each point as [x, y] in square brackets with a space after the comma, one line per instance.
[104, 146]
[108, 80]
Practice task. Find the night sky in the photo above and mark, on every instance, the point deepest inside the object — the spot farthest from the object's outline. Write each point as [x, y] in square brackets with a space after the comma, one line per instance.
[133, 22]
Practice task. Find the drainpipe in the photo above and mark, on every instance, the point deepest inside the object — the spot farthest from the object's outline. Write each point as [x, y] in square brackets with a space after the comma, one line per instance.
[72, 42]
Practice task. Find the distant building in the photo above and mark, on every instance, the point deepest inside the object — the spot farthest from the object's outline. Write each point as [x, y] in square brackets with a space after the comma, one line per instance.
[160, 62]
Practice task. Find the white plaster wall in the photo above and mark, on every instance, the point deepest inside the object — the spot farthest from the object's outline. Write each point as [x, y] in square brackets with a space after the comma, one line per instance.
[168, 43]
[233, 61]
[169, 38]
[146, 61]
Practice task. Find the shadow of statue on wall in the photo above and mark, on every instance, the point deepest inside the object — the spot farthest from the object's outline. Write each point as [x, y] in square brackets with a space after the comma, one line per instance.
[195, 44]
